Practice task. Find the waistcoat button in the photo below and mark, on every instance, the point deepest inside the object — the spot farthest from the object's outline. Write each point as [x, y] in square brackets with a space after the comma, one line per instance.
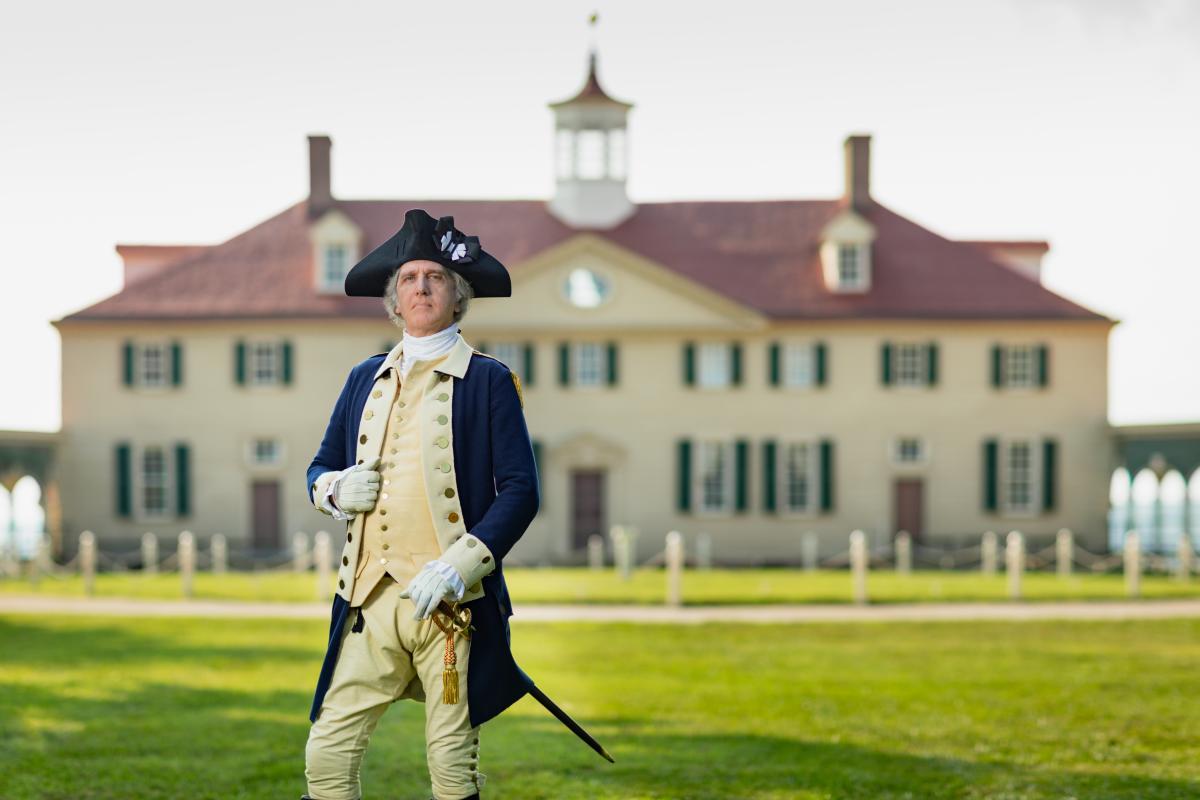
[453, 517]
[449, 492]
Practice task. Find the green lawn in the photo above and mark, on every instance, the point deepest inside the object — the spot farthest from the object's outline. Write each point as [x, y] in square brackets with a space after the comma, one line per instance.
[94, 707]
[718, 586]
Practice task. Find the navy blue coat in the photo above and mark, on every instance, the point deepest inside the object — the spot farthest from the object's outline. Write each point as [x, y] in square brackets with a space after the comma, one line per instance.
[497, 482]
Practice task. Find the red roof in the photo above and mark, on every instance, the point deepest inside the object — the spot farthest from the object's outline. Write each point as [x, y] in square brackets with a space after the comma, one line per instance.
[591, 92]
[763, 254]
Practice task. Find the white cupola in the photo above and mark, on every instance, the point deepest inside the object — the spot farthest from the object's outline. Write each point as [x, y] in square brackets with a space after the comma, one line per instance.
[590, 157]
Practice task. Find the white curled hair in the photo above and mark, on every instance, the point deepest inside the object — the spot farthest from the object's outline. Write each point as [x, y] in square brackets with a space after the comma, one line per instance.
[463, 293]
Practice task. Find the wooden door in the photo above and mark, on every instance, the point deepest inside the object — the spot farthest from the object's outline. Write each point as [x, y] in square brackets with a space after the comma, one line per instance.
[265, 527]
[587, 506]
[909, 507]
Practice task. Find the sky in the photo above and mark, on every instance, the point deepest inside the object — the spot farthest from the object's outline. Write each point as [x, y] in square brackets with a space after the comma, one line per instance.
[1071, 121]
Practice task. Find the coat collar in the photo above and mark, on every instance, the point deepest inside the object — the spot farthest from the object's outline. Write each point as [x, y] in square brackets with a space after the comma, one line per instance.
[455, 363]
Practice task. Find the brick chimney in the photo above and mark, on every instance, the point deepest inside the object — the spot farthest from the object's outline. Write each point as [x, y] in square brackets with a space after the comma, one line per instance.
[320, 195]
[858, 170]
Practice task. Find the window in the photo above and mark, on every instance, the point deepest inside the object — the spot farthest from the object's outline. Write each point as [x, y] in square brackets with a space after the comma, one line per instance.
[798, 367]
[616, 153]
[908, 450]
[797, 474]
[1019, 362]
[714, 476]
[565, 153]
[154, 365]
[590, 161]
[589, 364]
[511, 354]
[1018, 477]
[850, 268]
[266, 452]
[264, 364]
[910, 366]
[584, 288]
[715, 367]
[154, 482]
[336, 264]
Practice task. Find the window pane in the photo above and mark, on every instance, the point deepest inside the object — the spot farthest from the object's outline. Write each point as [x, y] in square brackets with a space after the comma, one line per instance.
[1020, 476]
[153, 365]
[796, 475]
[909, 365]
[154, 481]
[264, 362]
[714, 364]
[797, 364]
[588, 358]
[616, 153]
[849, 271]
[565, 153]
[713, 474]
[1020, 366]
[591, 154]
[335, 264]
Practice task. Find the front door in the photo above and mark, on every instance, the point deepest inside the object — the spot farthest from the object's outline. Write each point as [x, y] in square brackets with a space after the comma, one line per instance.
[587, 506]
[265, 521]
[909, 494]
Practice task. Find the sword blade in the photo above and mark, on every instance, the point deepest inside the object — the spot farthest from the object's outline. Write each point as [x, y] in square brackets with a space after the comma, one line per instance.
[565, 718]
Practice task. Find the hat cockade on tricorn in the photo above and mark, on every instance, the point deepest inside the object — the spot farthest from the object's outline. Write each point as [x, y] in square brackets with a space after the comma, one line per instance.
[424, 238]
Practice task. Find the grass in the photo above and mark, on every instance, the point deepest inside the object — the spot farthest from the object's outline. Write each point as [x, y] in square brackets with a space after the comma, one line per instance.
[94, 708]
[648, 586]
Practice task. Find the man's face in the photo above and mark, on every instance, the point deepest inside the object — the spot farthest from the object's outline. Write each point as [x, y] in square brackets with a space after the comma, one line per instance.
[425, 297]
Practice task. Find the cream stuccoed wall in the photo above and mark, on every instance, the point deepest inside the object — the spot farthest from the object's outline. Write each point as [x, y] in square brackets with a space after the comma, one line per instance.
[630, 429]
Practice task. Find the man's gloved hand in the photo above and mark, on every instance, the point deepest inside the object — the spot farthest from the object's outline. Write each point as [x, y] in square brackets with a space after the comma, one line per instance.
[432, 585]
[358, 488]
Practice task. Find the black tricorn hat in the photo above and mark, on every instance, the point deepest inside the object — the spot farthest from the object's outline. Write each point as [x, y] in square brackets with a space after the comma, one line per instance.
[422, 237]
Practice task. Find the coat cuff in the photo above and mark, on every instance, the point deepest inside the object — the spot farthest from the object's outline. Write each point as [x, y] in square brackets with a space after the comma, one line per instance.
[471, 557]
[320, 488]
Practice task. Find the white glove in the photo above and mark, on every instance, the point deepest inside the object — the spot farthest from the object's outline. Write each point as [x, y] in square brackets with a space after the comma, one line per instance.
[358, 487]
[436, 581]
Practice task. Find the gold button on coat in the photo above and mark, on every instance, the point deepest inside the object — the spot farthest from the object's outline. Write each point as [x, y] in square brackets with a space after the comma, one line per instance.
[377, 393]
[444, 467]
[449, 492]
[442, 418]
[442, 442]
[362, 439]
[453, 517]
[443, 397]
[369, 414]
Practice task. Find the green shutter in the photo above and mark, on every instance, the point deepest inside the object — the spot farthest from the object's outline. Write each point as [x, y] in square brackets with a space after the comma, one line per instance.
[482, 347]
[183, 499]
[683, 474]
[128, 363]
[1049, 474]
[991, 450]
[612, 363]
[997, 366]
[124, 480]
[1043, 365]
[287, 363]
[176, 364]
[564, 364]
[735, 363]
[773, 363]
[826, 475]
[768, 473]
[885, 359]
[931, 362]
[689, 363]
[239, 362]
[741, 449]
[527, 356]
[819, 351]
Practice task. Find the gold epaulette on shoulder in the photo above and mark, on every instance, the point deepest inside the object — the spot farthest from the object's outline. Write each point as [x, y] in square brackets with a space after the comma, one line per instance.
[516, 380]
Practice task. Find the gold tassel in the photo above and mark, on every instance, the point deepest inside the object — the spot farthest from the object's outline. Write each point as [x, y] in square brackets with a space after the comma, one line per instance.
[449, 670]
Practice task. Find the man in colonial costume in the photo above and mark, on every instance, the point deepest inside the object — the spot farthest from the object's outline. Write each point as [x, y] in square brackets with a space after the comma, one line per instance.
[428, 459]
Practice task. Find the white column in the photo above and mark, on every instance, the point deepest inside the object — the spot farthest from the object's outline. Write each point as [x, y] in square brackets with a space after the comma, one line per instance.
[808, 551]
[220, 554]
[1133, 564]
[87, 561]
[149, 554]
[675, 569]
[322, 553]
[987, 553]
[858, 565]
[187, 561]
[595, 552]
[1014, 562]
[1064, 552]
[903, 553]
[300, 551]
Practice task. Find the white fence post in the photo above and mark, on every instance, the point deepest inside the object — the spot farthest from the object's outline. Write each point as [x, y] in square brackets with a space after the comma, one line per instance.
[149, 554]
[1183, 570]
[87, 561]
[858, 565]
[674, 569]
[299, 551]
[1064, 552]
[808, 551]
[903, 553]
[703, 551]
[219, 551]
[1133, 564]
[1014, 557]
[595, 552]
[987, 554]
[631, 536]
[187, 561]
[322, 552]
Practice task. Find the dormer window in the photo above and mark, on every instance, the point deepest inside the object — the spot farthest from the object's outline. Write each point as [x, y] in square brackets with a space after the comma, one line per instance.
[846, 253]
[336, 264]
[851, 272]
[335, 249]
